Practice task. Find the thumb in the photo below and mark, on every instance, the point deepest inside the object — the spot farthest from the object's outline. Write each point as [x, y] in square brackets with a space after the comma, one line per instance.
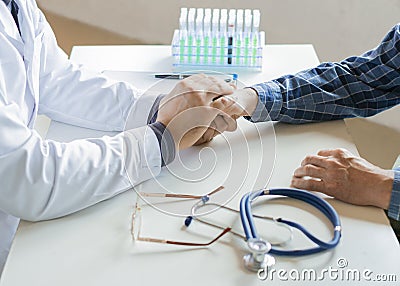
[222, 103]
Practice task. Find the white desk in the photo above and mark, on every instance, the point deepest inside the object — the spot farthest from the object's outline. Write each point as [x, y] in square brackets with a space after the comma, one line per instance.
[94, 247]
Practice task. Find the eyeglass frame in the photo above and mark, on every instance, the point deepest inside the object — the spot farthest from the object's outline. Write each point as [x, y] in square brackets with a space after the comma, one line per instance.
[203, 200]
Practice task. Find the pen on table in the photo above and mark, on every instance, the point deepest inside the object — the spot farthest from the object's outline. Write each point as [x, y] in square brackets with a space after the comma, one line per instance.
[229, 77]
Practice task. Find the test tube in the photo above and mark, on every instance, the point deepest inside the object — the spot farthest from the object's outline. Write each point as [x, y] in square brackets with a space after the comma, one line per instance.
[239, 35]
[247, 35]
[222, 35]
[207, 34]
[199, 33]
[215, 34]
[231, 33]
[255, 35]
[191, 32]
[182, 34]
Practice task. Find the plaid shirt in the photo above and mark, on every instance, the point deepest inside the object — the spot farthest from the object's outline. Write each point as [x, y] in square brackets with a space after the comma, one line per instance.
[358, 86]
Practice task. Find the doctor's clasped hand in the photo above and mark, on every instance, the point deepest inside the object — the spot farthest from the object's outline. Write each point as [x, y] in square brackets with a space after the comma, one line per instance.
[187, 111]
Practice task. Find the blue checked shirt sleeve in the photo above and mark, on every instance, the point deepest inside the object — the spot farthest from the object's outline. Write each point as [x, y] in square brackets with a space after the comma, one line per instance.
[358, 86]
[394, 206]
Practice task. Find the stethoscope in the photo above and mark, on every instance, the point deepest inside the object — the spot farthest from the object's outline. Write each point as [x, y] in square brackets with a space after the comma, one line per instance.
[261, 251]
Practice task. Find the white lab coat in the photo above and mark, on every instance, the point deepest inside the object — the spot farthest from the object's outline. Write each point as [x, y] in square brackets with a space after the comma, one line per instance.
[43, 179]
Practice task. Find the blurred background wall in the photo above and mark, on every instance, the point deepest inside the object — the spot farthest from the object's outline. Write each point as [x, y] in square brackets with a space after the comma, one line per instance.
[336, 28]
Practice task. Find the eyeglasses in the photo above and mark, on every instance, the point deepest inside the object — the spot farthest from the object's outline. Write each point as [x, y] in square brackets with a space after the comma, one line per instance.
[136, 220]
[137, 224]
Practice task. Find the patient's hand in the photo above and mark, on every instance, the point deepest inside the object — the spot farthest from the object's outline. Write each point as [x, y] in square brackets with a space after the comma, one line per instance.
[242, 102]
[349, 178]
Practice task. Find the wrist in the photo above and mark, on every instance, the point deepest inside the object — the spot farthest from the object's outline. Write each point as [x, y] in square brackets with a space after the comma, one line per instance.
[250, 100]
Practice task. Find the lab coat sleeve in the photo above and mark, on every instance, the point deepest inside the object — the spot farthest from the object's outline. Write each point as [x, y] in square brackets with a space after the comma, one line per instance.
[72, 94]
[44, 179]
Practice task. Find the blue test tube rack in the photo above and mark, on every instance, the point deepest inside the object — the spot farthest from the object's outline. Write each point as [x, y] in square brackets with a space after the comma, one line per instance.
[219, 42]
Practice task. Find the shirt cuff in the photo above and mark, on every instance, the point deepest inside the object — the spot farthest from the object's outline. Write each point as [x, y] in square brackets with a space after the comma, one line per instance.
[141, 110]
[165, 141]
[141, 154]
[269, 102]
[394, 206]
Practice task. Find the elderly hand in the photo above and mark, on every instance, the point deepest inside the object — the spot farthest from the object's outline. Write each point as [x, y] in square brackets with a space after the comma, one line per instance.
[340, 174]
[241, 102]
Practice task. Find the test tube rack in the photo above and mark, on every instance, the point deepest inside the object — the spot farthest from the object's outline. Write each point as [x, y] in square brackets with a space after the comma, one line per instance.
[217, 40]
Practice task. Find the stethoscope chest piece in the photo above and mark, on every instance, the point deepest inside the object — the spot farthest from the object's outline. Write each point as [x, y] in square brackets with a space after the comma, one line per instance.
[259, 257]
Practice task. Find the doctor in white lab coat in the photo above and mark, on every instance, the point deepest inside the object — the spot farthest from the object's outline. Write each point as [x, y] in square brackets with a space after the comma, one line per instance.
[43, 179]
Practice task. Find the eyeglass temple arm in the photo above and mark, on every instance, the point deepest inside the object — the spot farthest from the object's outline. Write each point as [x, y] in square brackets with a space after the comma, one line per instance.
[156, 240]
[181, 196]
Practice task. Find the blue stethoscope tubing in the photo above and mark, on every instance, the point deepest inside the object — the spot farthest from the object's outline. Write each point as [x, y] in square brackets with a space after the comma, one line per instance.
[250, 230]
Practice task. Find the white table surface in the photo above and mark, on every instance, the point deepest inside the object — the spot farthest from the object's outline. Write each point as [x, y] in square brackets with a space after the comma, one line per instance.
[94, 246]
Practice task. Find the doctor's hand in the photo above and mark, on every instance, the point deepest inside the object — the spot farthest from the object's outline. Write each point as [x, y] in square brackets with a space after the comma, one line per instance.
[220, 124]
[340, 174]
[187, 112]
